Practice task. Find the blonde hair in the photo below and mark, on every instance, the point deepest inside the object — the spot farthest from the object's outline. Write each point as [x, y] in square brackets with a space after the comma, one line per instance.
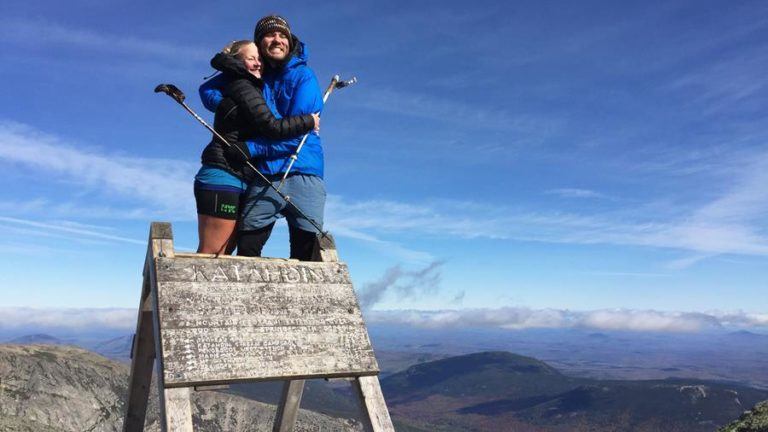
[233, 48]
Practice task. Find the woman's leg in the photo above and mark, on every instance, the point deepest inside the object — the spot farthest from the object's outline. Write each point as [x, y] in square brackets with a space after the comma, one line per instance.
[217, 235]
[217, 212]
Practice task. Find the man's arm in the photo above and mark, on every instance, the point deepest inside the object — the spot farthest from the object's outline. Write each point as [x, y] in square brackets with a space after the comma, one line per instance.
[210, 92]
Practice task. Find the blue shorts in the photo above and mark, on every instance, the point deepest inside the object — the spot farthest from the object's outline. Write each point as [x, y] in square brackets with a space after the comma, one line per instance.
[217, 179]
[263, 206]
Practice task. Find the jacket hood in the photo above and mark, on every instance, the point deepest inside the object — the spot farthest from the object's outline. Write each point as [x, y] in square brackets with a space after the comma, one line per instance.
[228, 64]
[232, 66]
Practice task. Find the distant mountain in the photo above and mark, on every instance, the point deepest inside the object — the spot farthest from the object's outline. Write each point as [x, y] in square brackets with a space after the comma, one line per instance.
[40, 338]
[754, 420]
[118, 348]
[46, 388]
[502, 391]
[747, 335]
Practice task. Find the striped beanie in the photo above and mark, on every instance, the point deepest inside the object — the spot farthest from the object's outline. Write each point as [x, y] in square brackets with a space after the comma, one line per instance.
[269, 24]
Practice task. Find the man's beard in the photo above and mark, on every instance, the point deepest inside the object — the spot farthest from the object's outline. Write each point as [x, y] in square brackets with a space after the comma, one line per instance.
[273, 61]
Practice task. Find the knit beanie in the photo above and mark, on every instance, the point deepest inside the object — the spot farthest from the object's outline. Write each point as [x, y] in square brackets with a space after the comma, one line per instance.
[269, 24]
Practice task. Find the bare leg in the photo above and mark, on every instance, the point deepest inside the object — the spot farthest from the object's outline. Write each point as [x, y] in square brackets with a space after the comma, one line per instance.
[217, 235]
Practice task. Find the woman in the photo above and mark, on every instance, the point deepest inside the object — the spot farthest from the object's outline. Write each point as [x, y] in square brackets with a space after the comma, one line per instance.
[242, 114]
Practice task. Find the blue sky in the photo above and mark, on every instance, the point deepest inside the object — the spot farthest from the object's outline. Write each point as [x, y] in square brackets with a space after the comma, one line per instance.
[498, 158]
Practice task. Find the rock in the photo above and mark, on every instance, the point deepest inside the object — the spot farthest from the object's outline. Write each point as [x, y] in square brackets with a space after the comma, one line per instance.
[46, 388]
[754, 420]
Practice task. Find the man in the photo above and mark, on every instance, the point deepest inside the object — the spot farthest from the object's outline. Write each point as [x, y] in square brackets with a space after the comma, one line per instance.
[296, 91]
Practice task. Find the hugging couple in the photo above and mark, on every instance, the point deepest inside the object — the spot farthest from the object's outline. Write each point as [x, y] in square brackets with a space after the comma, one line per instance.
[265, 100]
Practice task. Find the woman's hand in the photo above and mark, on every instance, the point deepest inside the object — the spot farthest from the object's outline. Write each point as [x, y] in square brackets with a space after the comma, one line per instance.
[316, 116]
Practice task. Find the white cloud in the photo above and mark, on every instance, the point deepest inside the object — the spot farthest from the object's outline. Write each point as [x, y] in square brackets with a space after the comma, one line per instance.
[607, 319]
[70, 318]
[731, 223]
[504, 317]
[39, 33]
[72, 229]
[165, 185]
[575, 193]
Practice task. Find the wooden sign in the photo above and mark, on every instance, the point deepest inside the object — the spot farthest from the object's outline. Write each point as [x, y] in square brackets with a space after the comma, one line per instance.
[207, 320]
[230, 319]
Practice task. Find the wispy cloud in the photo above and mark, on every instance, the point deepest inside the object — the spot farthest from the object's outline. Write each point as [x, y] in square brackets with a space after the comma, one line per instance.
[575, 193]
[454, 112]
[403, 283]
[607, 319]
[71, 229]
[730, 223]
[164, 185]
[733, 84]
[40, 33]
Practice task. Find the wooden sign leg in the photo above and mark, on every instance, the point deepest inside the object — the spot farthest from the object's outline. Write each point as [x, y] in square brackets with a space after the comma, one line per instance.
[288, 408]
[142, 359]
[178, 410]
[175, 405]
[375, 413]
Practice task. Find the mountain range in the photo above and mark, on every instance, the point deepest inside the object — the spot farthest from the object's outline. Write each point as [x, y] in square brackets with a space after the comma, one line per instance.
[485, 391]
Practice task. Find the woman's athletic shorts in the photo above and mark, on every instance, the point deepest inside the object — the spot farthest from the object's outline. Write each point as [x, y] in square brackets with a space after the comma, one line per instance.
[218, 193]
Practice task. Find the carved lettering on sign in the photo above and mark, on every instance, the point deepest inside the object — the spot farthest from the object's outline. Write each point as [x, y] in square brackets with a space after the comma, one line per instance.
[232, 320]
[202, 271]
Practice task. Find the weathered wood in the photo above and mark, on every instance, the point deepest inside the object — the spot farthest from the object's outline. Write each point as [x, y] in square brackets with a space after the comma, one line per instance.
[375, 414]
[143, 347]
[213, 387]
[251, 271]
[254, 320]
[212, 320]
[161, 230]
[175, 406]
[178, 410]
[141, 374]
[288, 407]
[325, 249]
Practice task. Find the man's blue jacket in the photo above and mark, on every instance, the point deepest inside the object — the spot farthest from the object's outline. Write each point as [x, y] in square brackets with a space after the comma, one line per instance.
[292, 89]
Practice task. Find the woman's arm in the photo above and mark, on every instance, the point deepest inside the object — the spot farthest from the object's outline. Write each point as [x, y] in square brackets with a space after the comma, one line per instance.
[251, 104]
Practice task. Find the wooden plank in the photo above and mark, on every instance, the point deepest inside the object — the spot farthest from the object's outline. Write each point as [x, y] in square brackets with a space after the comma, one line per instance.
[288, 408]
[175, 405]
[375, 413]
[178, 410]
[143, 348]
[161, 231]
[251, 271]
[253, 320]
[325, 249]
[141, 373]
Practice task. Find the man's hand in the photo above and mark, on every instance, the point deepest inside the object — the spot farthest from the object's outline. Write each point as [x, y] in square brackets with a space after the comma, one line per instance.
[316, 116]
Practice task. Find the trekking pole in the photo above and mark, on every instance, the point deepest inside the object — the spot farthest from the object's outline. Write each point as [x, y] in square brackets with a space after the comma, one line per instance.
[335, 83]
[177, 95]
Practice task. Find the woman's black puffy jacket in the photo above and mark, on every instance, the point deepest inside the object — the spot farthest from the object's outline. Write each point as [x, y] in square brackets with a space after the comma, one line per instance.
[244, 114]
